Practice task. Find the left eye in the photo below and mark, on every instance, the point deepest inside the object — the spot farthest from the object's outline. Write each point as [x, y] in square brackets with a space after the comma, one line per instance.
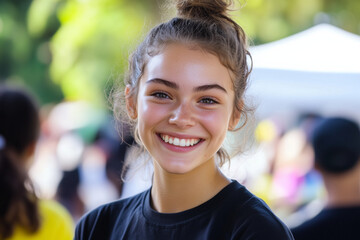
[208, 101]
[161, 95]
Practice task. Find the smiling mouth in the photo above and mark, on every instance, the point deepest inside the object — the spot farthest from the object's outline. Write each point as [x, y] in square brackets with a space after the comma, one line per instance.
[181, 142]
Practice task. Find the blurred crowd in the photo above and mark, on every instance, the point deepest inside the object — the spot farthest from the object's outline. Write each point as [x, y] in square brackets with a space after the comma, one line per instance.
[80, 157]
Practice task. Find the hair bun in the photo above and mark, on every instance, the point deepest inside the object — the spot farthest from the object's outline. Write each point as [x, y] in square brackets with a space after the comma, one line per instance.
[202, 8]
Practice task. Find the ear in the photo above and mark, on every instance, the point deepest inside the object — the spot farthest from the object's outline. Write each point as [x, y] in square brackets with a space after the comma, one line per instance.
[235, 118]
[130, 103]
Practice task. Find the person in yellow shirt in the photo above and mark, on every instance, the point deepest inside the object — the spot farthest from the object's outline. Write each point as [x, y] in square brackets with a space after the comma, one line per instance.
[22, 215]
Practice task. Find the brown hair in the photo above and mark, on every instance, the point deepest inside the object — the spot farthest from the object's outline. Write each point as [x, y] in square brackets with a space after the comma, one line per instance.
[199, 23]
[19, 128]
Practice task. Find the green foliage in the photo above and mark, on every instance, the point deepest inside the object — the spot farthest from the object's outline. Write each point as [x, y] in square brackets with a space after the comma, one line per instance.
[24, 60]
[92, 46]
[270, 20]
[76, 48]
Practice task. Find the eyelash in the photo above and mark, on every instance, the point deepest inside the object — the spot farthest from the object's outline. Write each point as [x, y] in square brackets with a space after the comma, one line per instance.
[205, 100]
[161, 95]
[208, 101]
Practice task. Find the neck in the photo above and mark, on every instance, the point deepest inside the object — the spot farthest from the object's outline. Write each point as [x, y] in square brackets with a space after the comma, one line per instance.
[343, 190]
[173, 193]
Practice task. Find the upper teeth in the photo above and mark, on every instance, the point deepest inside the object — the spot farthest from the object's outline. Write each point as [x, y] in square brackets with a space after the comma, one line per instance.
[179, 141]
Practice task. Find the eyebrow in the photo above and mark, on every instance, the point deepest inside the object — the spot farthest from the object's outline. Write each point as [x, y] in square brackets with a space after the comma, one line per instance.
[196, 89]
[208, 87]
[164, 82]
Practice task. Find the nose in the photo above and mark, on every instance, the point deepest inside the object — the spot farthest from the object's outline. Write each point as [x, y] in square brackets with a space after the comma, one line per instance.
[182, 116]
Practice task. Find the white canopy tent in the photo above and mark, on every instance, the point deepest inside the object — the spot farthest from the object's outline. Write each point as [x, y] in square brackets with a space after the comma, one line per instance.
[317, 70]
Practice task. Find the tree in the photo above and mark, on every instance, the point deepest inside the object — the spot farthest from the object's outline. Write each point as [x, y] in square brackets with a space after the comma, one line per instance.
[91, 47]
[24, 59]
[77, 49]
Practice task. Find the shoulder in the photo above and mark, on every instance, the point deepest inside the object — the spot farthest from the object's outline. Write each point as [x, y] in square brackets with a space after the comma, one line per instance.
[56, 220]
[255, 216]
[334, 223]
[51, 209]
[303, 231]
[97, 220]
[113, 209]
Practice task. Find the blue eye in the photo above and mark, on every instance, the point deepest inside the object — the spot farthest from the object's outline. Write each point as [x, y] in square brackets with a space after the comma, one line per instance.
[208, 101]
[160, 95]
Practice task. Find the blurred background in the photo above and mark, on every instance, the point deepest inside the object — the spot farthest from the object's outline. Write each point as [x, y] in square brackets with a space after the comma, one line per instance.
[69, 54]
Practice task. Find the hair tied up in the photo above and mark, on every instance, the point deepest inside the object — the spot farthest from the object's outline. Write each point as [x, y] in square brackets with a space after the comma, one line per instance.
[202, 8]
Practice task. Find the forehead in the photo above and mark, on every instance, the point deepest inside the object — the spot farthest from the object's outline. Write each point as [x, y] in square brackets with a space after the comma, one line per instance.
[179, 63]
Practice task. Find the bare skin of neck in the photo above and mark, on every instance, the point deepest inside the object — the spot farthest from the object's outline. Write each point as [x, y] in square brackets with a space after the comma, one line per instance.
[343, 189]
[173, 193]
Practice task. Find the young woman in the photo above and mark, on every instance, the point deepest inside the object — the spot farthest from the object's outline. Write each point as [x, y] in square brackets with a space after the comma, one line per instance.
[22, 215]
[184, 92]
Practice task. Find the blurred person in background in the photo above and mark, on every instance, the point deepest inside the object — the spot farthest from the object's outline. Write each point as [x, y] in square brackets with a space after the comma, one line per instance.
[116, 150]
[336, 143]
[22, 215]
[67, 193]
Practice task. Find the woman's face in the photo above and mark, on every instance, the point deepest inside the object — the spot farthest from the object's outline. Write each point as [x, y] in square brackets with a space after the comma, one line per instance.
[184, 108]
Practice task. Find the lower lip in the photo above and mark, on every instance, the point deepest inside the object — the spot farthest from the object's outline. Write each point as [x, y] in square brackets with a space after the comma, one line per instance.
[179, 149]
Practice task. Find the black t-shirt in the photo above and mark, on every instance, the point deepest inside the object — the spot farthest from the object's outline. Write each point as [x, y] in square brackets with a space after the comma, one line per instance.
[330, 224]
[234, 213]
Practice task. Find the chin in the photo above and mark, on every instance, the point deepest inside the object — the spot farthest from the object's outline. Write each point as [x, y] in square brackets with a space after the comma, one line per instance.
[176, 168]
